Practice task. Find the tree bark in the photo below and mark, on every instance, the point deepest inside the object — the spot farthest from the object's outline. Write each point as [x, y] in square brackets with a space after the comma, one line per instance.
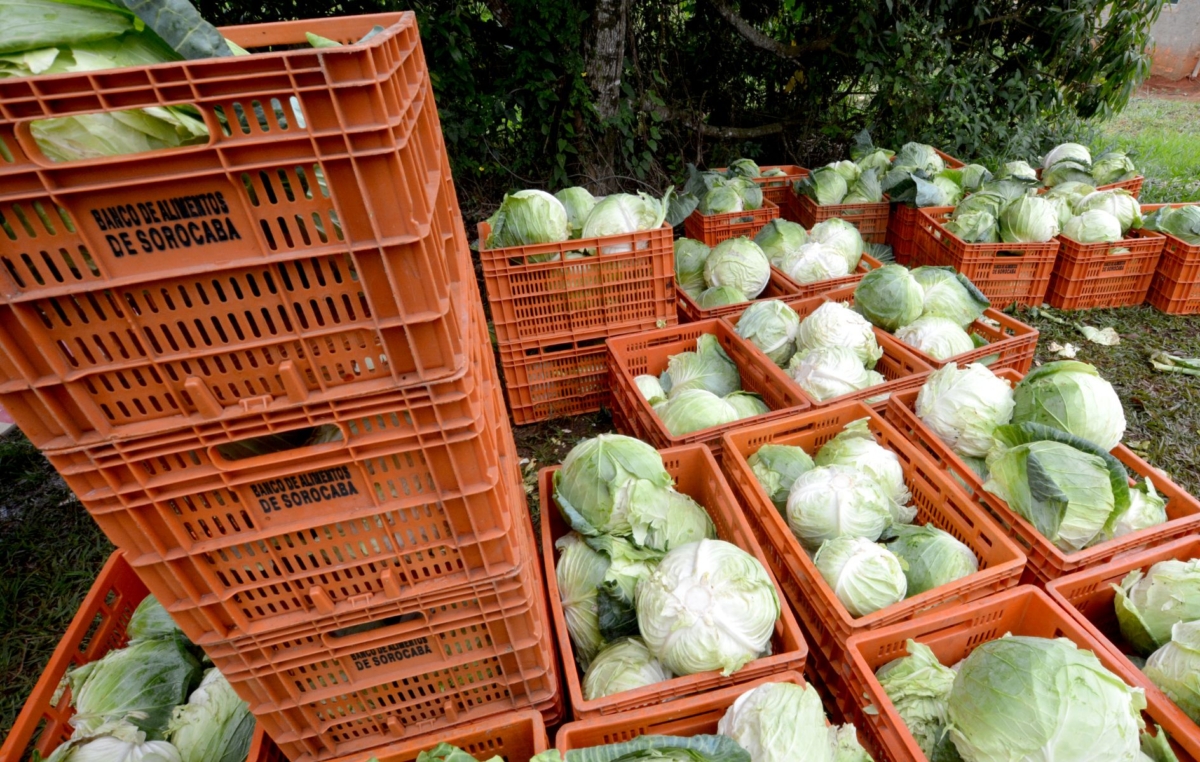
[606, 58]
[766, 42]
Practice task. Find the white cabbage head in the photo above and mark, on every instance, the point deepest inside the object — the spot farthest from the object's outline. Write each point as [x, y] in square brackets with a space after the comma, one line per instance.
[623, 665]
[830, 372]
[1072, 397]
[938, 337]
[856, 447]
[865, 576]
[964, 406]
[836, 501]
[814, 262]
[833, 324]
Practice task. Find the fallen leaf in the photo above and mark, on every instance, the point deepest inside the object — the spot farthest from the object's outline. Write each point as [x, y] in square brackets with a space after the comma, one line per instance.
[1068, 350]
[1105, 336]
[1161, 361]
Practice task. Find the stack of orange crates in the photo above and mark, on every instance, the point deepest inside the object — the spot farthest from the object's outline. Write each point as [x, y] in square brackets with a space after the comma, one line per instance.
[262, 365]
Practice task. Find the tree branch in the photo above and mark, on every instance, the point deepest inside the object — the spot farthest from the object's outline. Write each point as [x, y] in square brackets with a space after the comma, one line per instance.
[500, 11]
[711, 130]
[981, 24]
[766, 42]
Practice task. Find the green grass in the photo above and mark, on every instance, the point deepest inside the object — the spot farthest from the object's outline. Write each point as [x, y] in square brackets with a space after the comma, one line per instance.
[1165, 137]
[50, 553]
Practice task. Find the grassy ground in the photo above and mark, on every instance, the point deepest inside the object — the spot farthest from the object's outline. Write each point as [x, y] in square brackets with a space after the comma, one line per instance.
[1165, 136]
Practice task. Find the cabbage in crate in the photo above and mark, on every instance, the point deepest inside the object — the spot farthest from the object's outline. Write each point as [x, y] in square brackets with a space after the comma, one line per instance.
[702, 388]
[639, 539]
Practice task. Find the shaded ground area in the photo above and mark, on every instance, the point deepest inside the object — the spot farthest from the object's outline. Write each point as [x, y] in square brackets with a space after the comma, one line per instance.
[548, 442]
[50, 553]
[1162, 410]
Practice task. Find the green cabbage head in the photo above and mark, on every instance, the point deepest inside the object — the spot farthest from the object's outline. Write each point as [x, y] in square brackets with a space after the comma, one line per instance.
[1093, 226]
[1029, 219]
[814, 262]
[579, 203]
[938, 337]
[1175, 668]
[709, 605]
[780, 237]
[963, 407]
[931, 557]
[1027, 698]
[528, 217]
[784, 722]
[116, 741]
[890, 297]
[833, 324]
[579, 572]
[825, 185]
[1118, 202]
[919, 688]
[720, 296]
[1068, 152]
[690, 257]
[623, 665]
[828, 372]
[834, 501]
[776, 467]
[771, 326]
[949, 294]
[708, 368]
[592, 473]
[855, 446]
[841, 236]
[1146, 509]
[1149, 604]
[1072, 397]
[865, 576]
[215, 725]
[694, 410]
[738, 262]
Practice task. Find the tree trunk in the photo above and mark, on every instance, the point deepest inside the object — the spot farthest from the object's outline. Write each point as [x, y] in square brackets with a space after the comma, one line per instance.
[605, 65]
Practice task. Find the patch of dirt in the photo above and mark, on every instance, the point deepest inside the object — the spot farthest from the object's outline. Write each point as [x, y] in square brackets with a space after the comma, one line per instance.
[1182, 89]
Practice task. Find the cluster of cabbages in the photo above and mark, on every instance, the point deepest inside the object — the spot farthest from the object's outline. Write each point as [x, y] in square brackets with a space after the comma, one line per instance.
[1043, 448]
[1158, 611]
[831, 352]
[738, 270]
[1072, 163]
[699, 390]
[731, 191]
[152, 702]
[530, 217]
[929, 308]
[1021, 698]
[840, 505]
[774, 722]
[647, 591]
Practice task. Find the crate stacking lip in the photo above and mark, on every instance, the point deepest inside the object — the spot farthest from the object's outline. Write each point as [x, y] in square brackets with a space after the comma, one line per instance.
[543, 292]
[1010, 343]
[1045, 561]
[636, 354]
[899, 365]
[711, 229]
[140, 359]
[544, 381]
[697, 475]
[1090, 275]
[515, 736]
[1008, 273]
[423, 672]
[684, 716]
[953, 635]
[1088, 596]
[939, 501]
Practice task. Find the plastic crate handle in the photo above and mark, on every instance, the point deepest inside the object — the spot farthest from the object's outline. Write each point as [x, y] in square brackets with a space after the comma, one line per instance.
[290, 455]
[388, 628]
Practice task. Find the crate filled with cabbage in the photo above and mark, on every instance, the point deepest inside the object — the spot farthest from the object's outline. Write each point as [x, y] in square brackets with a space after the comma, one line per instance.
[910, 188]
[724, 204]
[1003, 238]
[692, 382]
[1074, 163]
[658, 588]
[777, 719]
[153, 700]
[829, 350]
[1175, 289]
[574, 266]
[864, 530]
[774, 179]
[1145, 607]
[1043, 454]
[1106, 258]
[783, 260]
[941, 316]
[1010, 677]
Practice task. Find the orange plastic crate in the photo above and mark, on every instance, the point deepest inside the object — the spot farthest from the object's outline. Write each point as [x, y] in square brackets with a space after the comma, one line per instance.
[1010, 343]
[1088, 595]
[778, 287]
[685, 716]
[86, 366]
[409, 677]
[555, 381]
[952, 635]
[641, 353]
[902, 234]
[1092, 275]
[711, 229]
[870, 219]
[939, 501]
[899, 364]
[1175, 289]
[1133, 185]
[697, 475]
[628, 285]
[1008, 273]
[1045, 561]
[515, 736]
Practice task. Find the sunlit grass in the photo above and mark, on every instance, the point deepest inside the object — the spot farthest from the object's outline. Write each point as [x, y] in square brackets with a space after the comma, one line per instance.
[1165, 135]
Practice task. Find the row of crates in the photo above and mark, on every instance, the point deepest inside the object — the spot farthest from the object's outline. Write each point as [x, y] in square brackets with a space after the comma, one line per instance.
[263, 366]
